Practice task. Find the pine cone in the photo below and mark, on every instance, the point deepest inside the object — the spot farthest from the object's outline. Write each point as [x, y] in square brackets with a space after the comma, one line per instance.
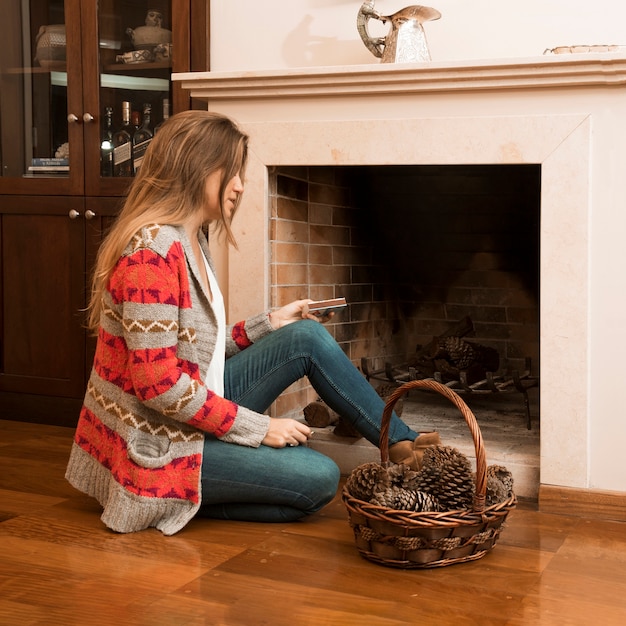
[399, 499]
[447, 475]
[365, 479]
[499, 484]
[501, 473]
[460, 353]
[454, 353]
[400, 475]
[394, 498]
[426, 502]
[439, 456]
[494, 492]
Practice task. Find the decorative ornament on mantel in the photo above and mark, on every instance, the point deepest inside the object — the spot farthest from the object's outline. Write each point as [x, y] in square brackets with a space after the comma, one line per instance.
[583, 49]
[406, 41]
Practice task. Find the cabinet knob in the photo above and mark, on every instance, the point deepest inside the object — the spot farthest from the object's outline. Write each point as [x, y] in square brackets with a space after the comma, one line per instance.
[73, 214]
[87, 118]
[72, 119]
[89, 215]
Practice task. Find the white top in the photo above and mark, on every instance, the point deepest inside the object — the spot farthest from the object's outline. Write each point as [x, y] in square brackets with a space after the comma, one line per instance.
[214, 378]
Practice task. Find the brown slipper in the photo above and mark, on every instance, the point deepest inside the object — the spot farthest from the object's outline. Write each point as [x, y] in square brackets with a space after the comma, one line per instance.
[411, 453]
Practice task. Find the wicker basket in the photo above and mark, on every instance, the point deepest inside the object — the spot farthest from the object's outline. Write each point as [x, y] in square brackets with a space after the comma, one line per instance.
[426, 539]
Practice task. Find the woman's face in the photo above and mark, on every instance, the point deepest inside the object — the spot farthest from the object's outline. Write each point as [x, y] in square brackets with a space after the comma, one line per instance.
[234, 188]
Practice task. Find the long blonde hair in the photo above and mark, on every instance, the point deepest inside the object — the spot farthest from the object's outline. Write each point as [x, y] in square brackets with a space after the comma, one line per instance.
[170, 186]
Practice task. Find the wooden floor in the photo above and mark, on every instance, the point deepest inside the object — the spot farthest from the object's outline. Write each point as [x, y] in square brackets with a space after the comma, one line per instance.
[59, 565]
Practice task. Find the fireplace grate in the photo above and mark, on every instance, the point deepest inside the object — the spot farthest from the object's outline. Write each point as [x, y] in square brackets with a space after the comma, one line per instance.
[515, 381]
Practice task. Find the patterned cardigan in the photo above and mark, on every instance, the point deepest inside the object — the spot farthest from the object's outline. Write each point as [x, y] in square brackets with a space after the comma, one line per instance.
[139, 439]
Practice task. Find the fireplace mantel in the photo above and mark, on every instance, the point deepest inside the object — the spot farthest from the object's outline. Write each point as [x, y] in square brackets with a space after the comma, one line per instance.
[545, 72]
[564, 112]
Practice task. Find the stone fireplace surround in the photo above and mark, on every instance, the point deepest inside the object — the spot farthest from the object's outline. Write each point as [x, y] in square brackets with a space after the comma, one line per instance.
[563, 112]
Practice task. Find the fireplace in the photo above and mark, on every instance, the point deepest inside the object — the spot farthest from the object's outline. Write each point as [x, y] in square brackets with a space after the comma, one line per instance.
[413, 249]
[556, 118]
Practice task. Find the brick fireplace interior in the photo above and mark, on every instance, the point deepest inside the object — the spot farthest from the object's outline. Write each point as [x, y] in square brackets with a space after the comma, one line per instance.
[414, 249]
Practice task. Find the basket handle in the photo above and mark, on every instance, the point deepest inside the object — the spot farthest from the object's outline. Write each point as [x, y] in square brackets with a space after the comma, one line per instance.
[470, 420]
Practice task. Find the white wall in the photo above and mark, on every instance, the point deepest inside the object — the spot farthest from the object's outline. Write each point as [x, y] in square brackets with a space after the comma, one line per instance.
[274, 34]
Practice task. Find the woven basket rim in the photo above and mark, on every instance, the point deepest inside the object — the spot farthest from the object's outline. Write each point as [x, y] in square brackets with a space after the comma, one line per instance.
[375, 511]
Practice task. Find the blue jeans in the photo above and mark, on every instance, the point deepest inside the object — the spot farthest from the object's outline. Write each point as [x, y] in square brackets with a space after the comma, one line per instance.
[283, 484]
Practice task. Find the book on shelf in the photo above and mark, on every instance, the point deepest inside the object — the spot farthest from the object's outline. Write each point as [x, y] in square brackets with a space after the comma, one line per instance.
[49, 165]
[49, 161]
[49, 168]
[45, 174]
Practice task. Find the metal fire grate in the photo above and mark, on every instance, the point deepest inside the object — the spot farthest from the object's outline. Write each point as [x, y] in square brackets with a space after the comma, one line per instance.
[515, 381]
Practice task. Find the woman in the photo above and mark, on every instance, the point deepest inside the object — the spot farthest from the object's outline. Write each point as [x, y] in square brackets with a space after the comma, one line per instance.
[172, 423]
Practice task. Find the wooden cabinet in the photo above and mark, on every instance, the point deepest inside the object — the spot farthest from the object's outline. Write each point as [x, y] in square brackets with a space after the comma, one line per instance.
[52, 220]
[47, 243]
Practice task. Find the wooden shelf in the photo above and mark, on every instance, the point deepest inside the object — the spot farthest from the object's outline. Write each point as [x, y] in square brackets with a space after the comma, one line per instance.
[125, 68]
[56, 67]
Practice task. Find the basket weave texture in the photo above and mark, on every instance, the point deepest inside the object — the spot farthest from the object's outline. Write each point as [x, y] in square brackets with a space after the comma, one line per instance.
[428, 539]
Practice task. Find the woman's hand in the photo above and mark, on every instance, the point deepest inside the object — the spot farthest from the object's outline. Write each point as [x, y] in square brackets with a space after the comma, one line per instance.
[284, 432]
[289, 313]
[293, 312]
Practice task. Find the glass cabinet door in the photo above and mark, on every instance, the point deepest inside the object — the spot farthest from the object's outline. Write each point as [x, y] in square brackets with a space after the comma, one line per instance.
[66, 69]
[132, 83]
[39, 44]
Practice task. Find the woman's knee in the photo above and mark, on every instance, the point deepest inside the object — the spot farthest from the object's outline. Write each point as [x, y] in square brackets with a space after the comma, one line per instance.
[322, 482]
[306, 328]
[311, 337]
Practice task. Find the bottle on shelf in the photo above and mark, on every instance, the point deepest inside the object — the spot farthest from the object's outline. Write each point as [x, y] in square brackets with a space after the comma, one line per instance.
[106, 144]
[135, 121]
[142, 137]
[166, 115]
[123, 142]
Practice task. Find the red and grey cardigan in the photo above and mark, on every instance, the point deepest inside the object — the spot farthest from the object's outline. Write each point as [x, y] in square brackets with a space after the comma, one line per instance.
[139, 440]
